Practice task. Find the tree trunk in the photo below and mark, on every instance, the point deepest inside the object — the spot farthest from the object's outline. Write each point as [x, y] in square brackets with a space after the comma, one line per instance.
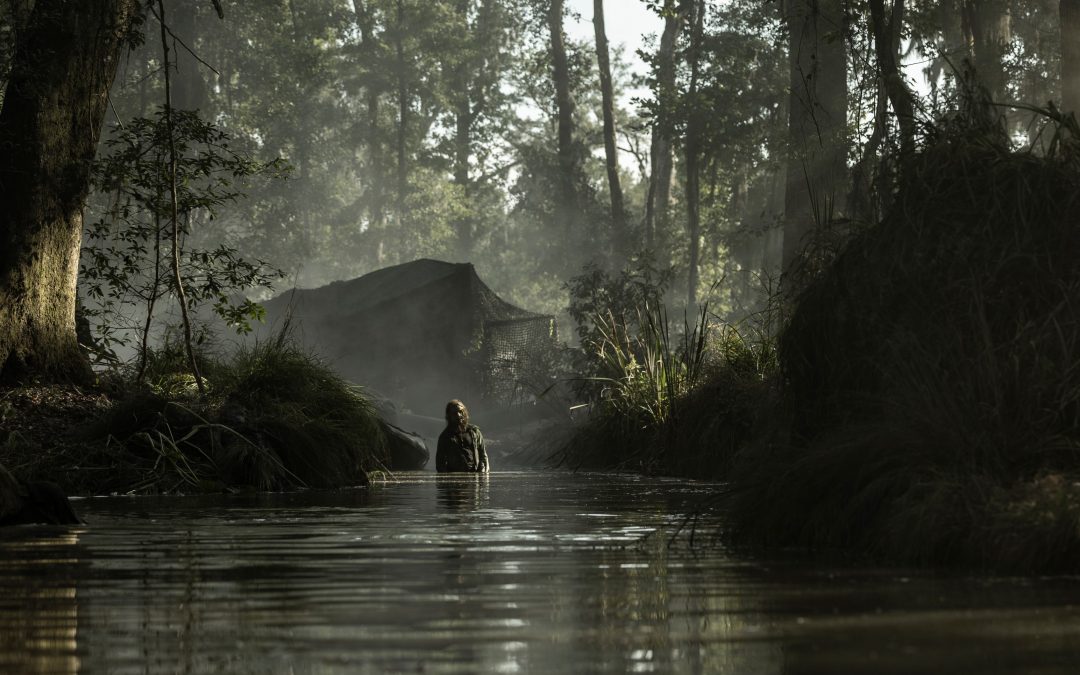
[861, 203]
[374, 174]
[987, 27]
[817, 119]
[656, 218]
[886, 31]
[692, 151]
[49, 126]
[564, 105]
[620, 234]
[462, 151]
[1069, 11]
[403, 112]
[463, 123]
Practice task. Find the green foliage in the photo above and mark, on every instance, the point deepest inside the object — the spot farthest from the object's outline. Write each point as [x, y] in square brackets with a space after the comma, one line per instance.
[673, 401]
[129, 244]
[597, 296]
[685, 406]
[649, 372]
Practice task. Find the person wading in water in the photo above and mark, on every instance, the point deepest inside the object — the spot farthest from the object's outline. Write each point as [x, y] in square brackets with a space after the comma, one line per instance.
[461, 446]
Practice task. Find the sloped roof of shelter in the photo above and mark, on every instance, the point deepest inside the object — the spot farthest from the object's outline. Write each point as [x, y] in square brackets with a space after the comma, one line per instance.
[395, 284]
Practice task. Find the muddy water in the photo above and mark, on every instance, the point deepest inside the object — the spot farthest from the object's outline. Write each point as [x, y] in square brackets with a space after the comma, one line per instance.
[520, 572]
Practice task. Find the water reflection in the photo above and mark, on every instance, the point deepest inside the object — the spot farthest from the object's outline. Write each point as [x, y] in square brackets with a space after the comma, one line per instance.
[462, 492]
[510, 572]
[39, 608]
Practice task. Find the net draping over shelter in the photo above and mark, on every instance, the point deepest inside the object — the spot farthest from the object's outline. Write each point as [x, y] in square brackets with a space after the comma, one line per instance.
[419, 333]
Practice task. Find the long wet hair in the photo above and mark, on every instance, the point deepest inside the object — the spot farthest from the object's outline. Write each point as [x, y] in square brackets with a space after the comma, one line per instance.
[455, 404]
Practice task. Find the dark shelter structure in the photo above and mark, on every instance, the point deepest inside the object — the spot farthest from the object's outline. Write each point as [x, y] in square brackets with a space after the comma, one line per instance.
[420, 334]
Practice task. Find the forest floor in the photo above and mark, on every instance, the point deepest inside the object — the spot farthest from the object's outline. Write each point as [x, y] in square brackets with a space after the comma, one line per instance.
[46, 433]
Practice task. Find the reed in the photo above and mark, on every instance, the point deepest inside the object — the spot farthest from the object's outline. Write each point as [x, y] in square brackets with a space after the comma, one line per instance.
[674, 403]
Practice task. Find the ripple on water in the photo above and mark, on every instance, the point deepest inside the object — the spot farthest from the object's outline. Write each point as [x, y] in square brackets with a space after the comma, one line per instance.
[516, 572]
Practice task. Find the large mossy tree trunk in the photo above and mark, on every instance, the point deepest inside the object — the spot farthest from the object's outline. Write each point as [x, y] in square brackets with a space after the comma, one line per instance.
[817, 169]
[49, 127]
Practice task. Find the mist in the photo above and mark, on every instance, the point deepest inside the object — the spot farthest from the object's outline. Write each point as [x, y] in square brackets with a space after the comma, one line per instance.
[488, 133]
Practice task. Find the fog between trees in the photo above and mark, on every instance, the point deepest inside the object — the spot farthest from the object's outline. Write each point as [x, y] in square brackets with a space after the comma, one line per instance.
[476, 130]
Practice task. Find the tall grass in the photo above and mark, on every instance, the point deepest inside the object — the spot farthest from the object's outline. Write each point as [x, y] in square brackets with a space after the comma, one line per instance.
[649, 371]
[676, 403]
[325, 432]
[276, 418]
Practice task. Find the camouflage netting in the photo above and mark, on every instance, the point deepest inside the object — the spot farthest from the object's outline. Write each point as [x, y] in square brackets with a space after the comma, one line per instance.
[420, 333]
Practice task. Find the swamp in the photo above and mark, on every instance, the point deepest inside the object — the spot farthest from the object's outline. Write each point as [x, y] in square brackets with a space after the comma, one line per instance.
[765, 318]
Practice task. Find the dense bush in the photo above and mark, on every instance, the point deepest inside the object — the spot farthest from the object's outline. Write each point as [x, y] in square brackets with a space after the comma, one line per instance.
[930, 374]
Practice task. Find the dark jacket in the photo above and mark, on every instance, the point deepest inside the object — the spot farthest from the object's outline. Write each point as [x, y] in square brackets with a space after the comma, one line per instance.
[461, 451]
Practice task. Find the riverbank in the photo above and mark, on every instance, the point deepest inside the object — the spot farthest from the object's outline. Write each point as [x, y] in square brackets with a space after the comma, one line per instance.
[927, 395]
[274, 418]
[930, 374]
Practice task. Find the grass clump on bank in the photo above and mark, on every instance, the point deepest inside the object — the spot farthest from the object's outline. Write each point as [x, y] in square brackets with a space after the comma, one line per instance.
[931, 373]
[669, 402]
[274, 418]
[323, 430]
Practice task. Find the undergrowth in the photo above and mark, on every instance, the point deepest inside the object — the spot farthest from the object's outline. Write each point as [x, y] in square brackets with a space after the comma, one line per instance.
[673, 402]
[931, 376]
[275, 418]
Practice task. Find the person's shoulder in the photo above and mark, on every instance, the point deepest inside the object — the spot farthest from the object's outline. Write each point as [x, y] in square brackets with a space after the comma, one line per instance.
[473, 429]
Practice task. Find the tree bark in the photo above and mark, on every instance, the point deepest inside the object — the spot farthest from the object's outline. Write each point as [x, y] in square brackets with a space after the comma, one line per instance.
[692, 152]
[620, 233]
[817, 119]
[1069, 11]
[49, 127]
[886, 31]
[403, 112]
[564, 105]
[660, 157]
[987, 29]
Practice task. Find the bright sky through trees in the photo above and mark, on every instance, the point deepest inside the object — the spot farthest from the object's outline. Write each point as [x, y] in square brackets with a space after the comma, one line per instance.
[626, 22]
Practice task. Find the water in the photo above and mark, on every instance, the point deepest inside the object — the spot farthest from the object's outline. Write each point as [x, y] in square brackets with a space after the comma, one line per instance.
[519, 572]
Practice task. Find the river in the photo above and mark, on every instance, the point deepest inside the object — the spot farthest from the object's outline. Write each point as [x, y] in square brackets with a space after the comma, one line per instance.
[531, 571]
